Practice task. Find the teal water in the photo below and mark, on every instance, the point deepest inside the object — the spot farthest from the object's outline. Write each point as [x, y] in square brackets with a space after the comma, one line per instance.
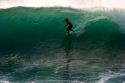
[35, 48]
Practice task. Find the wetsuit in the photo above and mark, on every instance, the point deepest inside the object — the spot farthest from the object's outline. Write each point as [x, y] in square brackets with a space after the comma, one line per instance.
[69, 25]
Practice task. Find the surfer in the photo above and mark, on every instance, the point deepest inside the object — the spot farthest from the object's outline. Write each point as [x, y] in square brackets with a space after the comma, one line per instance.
[68, 25]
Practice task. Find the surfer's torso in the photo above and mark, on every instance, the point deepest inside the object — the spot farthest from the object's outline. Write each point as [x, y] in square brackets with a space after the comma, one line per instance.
[69, 25]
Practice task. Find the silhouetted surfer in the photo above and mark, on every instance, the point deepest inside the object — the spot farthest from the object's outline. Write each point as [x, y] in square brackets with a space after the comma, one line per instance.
[68, 25]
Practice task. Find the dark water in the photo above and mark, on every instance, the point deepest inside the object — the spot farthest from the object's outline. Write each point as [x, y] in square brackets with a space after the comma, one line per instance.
[34, 47]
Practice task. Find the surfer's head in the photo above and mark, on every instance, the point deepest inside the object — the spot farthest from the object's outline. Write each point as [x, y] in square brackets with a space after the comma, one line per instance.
[66, 19]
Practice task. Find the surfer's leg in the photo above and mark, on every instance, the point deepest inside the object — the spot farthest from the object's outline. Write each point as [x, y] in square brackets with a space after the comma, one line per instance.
[68, 30]
[72, 30]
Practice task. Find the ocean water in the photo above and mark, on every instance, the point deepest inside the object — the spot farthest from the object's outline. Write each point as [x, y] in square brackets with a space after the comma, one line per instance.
[35, 47]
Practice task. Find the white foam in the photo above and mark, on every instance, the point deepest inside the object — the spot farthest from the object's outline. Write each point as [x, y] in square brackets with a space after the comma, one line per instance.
[4, 81]
[47, 81]
[110, 75]
[57, 81]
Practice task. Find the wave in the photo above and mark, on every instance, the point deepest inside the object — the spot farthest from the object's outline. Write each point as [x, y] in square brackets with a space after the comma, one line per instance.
[34, 43]
[23, 27]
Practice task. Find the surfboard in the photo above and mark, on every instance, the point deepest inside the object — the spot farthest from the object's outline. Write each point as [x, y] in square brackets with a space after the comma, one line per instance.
[75, 29]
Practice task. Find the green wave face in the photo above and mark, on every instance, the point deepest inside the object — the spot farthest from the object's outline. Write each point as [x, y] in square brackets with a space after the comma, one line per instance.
[24, 27]
[34, 44]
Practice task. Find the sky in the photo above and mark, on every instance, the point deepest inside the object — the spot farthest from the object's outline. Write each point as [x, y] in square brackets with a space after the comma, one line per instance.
[64, 3]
